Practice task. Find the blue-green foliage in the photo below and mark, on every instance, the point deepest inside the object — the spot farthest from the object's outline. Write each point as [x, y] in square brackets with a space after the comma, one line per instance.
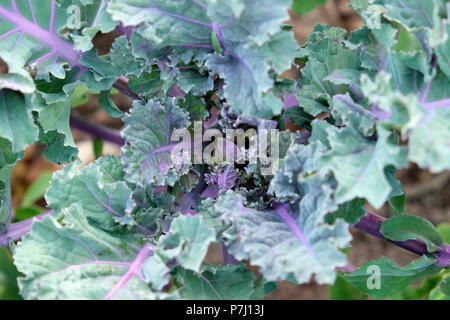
[123, 227]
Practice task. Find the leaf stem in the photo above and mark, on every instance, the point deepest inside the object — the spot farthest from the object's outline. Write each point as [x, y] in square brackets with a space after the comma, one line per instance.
[134, 269]
[371, 224]
[94, 130]
[227, 258]
[437, 104]
[16, 231]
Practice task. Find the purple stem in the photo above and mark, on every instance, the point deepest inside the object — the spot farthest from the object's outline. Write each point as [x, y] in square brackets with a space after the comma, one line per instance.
[218, 30]
[125, 30]
[200, 4]
[133, 270]
[227, 258]
[97, 131]
[16, 231]
[290, 101]
[282, 211]
[437, 104]
[428, 86]
[371, 224]
[52, 16]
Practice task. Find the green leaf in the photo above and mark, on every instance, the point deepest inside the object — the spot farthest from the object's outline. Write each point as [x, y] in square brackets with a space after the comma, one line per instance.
[437, 294]
[183, 32]
[55, 150]
[383, 278]
[397, 205]
[426, 131]
[441, 292]
[111, 167]
[350, 211]
[358, 164]
[442, 52]
[155, 272]
[351, 114]
[234, 7]
[195, 106]
[53, 114]
[122, 57]
[231, 282]
[262, 288]
[299, 117]
[421, 17]
[300, 162]
[413, 292]
[148, 84]
[405, 227]
[23, 213]
[424, 19]
[378, 53]
[187, 241]
[96, 20]
[191, 80]
[445, 286]
[80, 96]
[285, 247]
[407, 41]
